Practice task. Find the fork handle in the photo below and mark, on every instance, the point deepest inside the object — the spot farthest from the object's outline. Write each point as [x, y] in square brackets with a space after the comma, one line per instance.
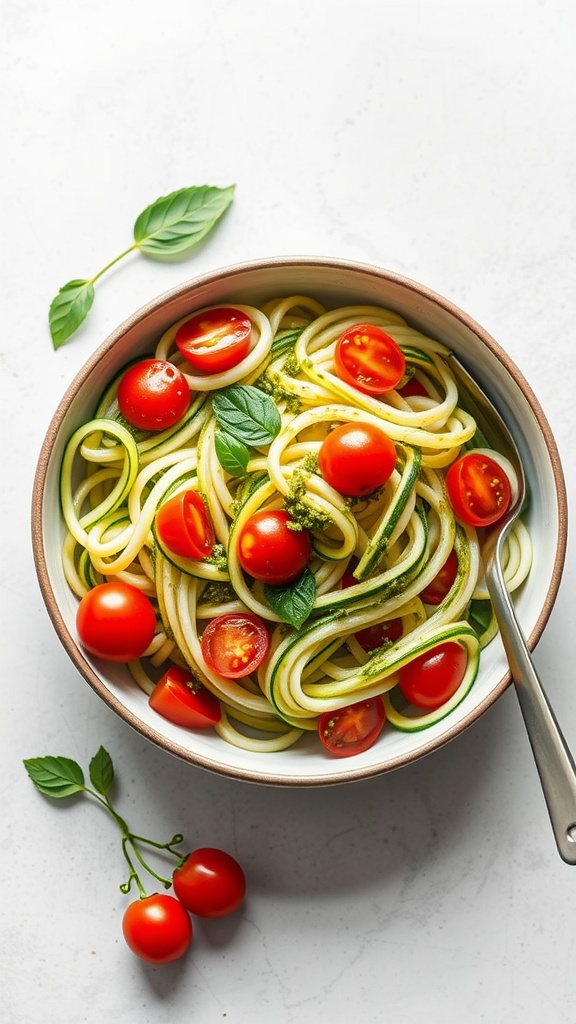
[553, 759]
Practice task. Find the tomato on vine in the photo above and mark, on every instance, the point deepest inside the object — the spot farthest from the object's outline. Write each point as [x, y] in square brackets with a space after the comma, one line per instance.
[210, 883]
[157, 928]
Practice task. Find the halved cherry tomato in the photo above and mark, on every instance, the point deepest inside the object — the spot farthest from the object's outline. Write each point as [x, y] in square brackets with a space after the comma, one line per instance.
[215, 340]
[369, 359]
[352, 729]
[382, 632]
[181, 699]
[356, 458]
[413, 389]
[270, 549]
[157, 928]
[210, 883]
[478, 488]
[184, 526]
[437, 589]
[116, 622]
[432, 678]
[153, 394]
[235, 644]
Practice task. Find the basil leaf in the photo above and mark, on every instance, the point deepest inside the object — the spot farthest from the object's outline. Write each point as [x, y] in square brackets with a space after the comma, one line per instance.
[55, 776]
[247, 414]
[101, 771]
[293, 601]
[176, 222]
[232, 455]
[480, 615]
[68, 310]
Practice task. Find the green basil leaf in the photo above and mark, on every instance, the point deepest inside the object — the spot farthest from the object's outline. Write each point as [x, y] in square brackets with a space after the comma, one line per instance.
[55, 776]
[102, 771]
[480, 615]
[293, 601]
[176, 222]
[247, 414]
[232, 455]
[69, 309]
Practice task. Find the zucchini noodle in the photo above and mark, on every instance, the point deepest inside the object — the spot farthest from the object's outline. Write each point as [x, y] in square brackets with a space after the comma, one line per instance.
[394, 542]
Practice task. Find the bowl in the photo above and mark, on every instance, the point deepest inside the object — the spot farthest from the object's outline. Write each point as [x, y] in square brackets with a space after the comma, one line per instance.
[334, 282]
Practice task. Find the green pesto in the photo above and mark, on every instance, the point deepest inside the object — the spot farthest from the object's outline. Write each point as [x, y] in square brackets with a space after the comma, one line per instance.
[305, 515]
[218, 557]
[218, 593]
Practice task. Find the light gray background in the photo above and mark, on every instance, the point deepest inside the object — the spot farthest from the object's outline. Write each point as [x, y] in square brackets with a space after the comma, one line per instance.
[436, 140]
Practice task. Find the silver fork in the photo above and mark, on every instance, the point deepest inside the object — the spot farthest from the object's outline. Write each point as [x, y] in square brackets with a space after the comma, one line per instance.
[554, 761]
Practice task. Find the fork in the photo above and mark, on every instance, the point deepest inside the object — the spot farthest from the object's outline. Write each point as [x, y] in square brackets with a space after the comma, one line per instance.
[554, 761]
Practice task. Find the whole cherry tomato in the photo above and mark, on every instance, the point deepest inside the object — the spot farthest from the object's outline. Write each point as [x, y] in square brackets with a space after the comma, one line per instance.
[157, 928]
[181, 699]
[271, 548]
[356, 458]
[210, 883]
[433, 677]
[215, 340]
[352, 729]
[478, 488]
[369, 359]
[183, 525]
[153, 394]
[235, 644]
[116, 622]
[373, 637]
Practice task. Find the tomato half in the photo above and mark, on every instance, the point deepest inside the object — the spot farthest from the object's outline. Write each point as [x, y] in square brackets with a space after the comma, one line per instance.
[478, 488]
[356, 458]
[369, 359]
[215, 340]
[270, 549]
[116, 622]
[153, 394]
[181, 699]
[382, 632]
[210, 883]
[432, 678]
[184, 526]
[235, 644]
[352, 729]
[437, 589]
[157, 928]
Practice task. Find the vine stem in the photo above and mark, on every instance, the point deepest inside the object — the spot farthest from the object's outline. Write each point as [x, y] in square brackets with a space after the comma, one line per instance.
[113, 262]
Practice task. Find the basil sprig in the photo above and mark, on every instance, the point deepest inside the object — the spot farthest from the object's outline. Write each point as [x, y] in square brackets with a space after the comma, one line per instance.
[293, 601]
[168, 228]
[246, 414]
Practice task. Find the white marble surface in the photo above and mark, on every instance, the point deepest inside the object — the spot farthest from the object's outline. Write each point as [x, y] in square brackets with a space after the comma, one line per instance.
[434, 139]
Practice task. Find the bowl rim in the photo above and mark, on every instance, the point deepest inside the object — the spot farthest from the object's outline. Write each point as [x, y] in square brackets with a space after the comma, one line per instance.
[227, 274]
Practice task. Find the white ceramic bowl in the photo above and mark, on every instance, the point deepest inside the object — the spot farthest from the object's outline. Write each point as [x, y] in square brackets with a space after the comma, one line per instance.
[333, 282]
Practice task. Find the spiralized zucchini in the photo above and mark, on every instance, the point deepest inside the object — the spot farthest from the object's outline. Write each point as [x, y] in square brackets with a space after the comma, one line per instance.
[114, 478]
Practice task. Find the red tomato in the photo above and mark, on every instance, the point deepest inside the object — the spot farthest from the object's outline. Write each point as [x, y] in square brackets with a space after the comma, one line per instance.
[432, 678]
[437, 589]
[352, 729]
[235, 644]
[153, 394]
[270, 549]
[369, 359]
[412, 389]
[210, 883]
[184, 526]
[374, 636]
[181, 699]
[116, 622]
[216, 340]
[157, 928]
[356, 458]
[478, 488]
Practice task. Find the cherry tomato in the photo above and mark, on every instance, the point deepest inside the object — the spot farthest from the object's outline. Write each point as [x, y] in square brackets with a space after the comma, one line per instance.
[374, 636]
[478, 488]
[432, 678]
[352, 729]
[437, 589]
[184, 526]
[181, 699]
[271, 550]
[116, 622]
[153, 394]
[369, 359]
[413, 389]
[235, 644]
[356, 458]
[210, 883]
[215, 340]
[157, 928]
